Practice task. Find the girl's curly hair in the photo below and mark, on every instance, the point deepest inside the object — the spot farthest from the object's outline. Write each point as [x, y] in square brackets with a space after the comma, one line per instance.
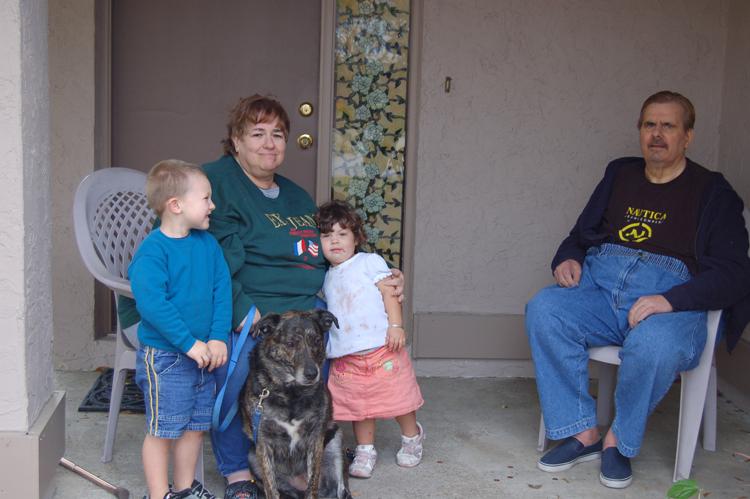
[339, 212]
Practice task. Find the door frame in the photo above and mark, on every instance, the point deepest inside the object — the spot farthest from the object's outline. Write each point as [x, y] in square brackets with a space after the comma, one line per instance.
[326, 90]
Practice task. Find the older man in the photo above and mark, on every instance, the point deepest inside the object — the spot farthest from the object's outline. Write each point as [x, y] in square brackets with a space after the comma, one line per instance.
[661, 241]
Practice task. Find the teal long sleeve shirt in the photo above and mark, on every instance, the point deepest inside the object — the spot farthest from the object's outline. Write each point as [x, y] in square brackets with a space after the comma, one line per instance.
[182, 290]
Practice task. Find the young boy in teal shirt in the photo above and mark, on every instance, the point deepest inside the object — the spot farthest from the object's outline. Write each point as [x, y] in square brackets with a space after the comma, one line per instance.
[182, 289]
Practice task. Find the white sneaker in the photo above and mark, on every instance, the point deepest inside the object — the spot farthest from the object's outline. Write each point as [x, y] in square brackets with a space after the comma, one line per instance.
[410, 454]
[365, 459]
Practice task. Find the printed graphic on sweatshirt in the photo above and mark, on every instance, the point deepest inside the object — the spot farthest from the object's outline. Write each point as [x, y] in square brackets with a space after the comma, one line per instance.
[293, 222]
[302, 231]
[640, 230]
[302, 246]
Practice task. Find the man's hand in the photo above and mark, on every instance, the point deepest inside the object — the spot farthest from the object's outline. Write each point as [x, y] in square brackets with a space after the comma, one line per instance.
[218, 351]
[396, 281]
[200, 353]
[647, 305]
[568, 273]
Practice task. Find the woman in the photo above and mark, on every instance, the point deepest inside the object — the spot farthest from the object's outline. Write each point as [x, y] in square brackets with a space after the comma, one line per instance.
[264, 224]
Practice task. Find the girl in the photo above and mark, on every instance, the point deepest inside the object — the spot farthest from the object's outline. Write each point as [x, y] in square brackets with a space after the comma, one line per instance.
[371, 375]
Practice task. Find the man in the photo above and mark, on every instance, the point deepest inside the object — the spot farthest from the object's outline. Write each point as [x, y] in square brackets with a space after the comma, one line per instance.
[661, 241]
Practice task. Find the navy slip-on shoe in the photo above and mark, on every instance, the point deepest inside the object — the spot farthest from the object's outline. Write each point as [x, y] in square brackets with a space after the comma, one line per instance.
[616, 472]
[569, 453]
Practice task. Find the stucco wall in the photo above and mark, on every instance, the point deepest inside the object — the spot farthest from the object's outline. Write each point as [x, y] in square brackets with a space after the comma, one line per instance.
[26, 305]
[543, 95]
[72, 124]
[37, 312]
[13, 389]
[734, 151]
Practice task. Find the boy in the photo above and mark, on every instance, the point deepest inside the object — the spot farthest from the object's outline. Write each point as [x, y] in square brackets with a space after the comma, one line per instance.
[182, 289]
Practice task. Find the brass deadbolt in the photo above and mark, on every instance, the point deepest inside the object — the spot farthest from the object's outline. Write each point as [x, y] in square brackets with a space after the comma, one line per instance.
[305, 141]
[305, 109]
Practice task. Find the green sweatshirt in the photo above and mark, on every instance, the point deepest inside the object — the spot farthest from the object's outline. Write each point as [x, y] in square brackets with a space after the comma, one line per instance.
[272, 246]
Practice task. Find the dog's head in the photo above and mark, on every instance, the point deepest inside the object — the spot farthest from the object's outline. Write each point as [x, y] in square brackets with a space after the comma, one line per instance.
[293, 344]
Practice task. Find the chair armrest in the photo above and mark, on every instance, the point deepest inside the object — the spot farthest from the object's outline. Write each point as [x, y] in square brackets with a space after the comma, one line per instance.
[119, 286]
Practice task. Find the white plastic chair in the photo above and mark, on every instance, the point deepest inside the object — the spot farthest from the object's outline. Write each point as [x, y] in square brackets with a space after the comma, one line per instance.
[697, 396]
[111, 217]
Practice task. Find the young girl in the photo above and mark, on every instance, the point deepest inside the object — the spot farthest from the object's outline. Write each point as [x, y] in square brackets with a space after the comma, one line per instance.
[371, 375]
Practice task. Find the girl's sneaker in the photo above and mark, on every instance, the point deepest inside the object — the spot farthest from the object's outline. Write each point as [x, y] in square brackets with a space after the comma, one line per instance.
[410, 454]
[365, 459]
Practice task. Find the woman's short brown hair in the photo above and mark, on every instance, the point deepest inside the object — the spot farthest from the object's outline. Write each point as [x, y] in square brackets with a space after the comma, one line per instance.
[169, 179]
[339, 212]
[250, 111]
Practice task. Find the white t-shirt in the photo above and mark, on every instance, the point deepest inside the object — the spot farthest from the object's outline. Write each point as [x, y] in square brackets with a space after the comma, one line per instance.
[357, 303]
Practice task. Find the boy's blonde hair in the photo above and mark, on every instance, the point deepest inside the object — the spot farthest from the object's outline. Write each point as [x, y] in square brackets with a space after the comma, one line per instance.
[169, 179]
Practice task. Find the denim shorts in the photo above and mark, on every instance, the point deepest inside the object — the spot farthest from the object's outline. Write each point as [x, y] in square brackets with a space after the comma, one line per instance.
[178, 395]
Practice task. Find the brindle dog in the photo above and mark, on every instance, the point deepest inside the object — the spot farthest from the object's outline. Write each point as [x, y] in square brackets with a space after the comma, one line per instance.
[300, 449]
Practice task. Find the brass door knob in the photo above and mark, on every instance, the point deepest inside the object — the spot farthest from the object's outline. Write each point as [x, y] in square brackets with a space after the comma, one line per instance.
[305, 109]
[305, 141]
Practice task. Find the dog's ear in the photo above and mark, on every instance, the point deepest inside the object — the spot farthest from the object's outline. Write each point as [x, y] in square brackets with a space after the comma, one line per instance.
[267, 324]
[324, 318]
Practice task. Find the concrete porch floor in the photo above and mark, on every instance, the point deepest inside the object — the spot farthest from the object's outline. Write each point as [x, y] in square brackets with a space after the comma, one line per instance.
[481, 438]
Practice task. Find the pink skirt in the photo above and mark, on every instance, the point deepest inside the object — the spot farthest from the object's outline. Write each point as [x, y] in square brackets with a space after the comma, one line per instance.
[380, 384]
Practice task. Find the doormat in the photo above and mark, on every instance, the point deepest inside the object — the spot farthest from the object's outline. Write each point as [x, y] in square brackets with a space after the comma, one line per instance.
[97, 400]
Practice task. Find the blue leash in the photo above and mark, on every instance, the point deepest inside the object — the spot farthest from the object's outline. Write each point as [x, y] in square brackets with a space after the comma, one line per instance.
[237, 345]
[258, 413]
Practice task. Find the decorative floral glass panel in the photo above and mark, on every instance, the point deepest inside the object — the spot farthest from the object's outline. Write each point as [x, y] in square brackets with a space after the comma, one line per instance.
[369, 141]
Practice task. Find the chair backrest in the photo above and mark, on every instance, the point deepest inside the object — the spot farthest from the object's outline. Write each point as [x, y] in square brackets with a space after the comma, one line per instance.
[111, 217]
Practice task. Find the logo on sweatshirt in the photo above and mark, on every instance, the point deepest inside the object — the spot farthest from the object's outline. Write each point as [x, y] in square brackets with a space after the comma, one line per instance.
[635, 233]
[303, 246]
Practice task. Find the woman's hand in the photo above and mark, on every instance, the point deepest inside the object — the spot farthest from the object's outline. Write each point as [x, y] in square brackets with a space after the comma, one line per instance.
[397, 282]
[256, 318]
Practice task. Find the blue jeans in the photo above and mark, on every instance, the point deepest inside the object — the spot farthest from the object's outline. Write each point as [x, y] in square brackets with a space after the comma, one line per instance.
[231, 447]
[562, 323]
